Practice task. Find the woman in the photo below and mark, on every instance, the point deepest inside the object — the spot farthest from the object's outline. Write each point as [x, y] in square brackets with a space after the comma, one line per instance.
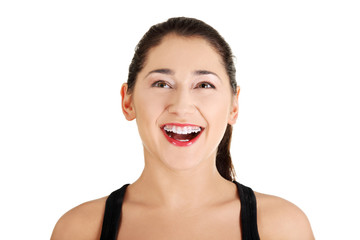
[183, 94]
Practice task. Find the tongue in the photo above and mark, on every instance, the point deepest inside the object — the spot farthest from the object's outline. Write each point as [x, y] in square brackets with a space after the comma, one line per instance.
[183, 137]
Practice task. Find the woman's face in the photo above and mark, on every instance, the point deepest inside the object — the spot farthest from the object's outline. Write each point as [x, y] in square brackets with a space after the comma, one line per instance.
[182, 102]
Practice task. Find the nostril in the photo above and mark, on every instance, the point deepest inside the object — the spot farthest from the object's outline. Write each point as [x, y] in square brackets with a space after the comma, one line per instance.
[181, 102]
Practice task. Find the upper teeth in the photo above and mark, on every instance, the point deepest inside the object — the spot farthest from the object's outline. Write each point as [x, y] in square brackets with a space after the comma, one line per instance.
[182, 130]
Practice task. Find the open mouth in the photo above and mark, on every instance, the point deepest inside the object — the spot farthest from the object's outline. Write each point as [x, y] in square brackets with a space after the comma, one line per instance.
[182, 135]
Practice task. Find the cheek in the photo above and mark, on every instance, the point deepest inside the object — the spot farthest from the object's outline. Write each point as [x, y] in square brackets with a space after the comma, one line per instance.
[148, 108]
[215, 106]
[215, 110]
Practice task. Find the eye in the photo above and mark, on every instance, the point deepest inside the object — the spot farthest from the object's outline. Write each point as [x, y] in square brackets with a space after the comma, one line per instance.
[205, 85]
[160, 84]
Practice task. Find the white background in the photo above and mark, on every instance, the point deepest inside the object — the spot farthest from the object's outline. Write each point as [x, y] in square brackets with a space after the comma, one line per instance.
[64, 140]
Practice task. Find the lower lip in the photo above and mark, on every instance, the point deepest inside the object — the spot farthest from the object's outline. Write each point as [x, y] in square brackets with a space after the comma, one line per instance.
[179, 143]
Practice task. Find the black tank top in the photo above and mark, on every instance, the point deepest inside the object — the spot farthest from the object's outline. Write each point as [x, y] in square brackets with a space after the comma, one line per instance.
[248, 217]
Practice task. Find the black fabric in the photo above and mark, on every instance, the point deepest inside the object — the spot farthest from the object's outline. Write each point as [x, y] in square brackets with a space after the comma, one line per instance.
[112, 215]
[248, 215]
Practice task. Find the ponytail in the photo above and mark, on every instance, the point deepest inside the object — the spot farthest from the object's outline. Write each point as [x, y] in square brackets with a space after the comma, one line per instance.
[223, 158]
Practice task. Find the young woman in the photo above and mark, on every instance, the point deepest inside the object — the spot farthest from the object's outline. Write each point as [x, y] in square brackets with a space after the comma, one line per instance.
[183, 94]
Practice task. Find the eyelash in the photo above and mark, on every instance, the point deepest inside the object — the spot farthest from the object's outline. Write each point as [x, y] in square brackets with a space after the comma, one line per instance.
[156, 84]
[209, 84]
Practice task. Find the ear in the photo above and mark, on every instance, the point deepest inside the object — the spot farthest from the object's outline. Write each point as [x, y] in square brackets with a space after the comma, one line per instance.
[127, 103]
[234, 111]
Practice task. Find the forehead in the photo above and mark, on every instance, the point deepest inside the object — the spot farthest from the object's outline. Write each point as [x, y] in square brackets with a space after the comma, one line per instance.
[184, 53]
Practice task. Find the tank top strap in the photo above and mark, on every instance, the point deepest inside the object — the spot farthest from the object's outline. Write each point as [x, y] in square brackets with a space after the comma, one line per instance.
[248, 213]
[112, 215]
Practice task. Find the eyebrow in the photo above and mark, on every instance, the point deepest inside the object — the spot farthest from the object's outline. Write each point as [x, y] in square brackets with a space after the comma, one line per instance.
[205, 72]
[162, 71]
[168, 71]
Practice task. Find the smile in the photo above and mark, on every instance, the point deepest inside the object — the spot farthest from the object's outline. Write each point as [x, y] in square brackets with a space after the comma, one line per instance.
[181, 135]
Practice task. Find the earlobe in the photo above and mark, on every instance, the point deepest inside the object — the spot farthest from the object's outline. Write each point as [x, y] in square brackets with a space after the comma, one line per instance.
[127, 103]
[234, 108]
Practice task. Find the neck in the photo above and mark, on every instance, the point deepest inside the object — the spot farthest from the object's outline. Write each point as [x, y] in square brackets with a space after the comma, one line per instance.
[159, 185]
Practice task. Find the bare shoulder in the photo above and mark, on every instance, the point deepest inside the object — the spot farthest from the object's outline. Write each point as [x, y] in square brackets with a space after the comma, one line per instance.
[281, 219]
[81, 222]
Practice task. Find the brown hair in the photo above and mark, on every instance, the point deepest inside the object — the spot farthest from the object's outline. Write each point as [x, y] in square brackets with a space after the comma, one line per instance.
[189, 27]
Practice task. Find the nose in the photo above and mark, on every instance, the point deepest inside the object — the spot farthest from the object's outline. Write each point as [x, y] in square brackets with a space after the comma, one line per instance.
[181, 103]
